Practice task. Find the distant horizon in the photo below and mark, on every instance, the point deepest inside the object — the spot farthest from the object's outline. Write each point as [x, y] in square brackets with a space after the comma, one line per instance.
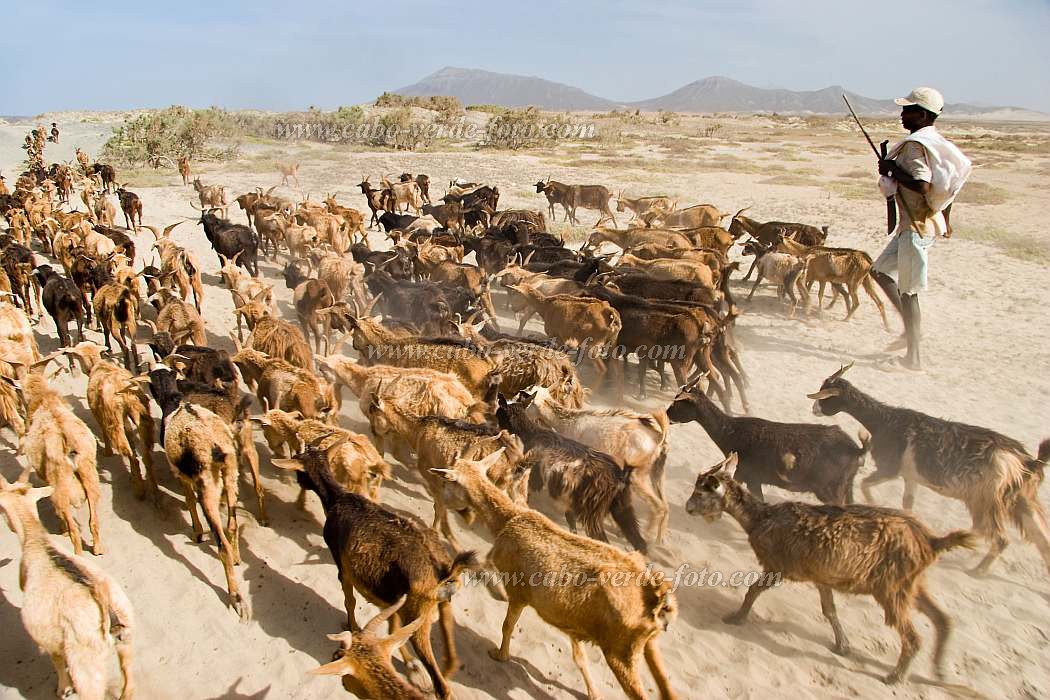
[304, 108]
[241, 55]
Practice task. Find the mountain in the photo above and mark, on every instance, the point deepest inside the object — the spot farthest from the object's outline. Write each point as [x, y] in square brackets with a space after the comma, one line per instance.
[721, 94]
[714, 94]
[484, 87]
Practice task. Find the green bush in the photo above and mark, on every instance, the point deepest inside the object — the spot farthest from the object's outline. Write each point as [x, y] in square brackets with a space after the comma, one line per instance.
[437, 103]
[161, 138]
[490, 109]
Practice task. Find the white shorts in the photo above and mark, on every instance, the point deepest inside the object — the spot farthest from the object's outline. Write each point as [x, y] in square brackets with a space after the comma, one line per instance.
[906, 259]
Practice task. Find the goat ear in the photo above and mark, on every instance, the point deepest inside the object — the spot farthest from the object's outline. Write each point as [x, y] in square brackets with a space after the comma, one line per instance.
[447, 474]
[824, 394]
[339, 667]
[487, 462]
[289, 464]
[730, 461]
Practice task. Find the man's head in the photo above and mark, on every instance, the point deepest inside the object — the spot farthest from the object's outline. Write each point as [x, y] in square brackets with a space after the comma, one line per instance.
[920, 108]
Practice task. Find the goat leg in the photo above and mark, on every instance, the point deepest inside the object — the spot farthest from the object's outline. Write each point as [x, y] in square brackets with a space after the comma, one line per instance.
[514, 609]
[756, 589]
[579, 657]
[827, 606]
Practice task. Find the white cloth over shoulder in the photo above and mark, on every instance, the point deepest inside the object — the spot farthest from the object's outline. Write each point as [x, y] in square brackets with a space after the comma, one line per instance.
[949, 167]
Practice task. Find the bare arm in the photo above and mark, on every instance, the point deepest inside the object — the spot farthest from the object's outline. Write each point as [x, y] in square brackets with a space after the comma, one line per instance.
[903, 178]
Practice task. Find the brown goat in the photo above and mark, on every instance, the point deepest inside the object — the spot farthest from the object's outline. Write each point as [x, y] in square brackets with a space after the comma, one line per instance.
[363, 659]
[624, 621]
[856, 549]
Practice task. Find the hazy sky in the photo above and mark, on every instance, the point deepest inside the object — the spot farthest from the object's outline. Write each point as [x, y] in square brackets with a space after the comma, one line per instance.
[288, 55]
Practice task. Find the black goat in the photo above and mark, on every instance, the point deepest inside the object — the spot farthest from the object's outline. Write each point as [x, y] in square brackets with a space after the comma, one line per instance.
[231, 240]
[62, 300]
[587, 483]
[385, 556]
[390, 220]
[799, 457]
[994, 476]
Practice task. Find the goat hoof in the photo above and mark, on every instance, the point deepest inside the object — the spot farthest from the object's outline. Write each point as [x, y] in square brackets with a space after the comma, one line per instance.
[892, 679]
[66, 692]
[841, 650]
[498, 655]
[734, 619]
[978, 571]
[199, 538]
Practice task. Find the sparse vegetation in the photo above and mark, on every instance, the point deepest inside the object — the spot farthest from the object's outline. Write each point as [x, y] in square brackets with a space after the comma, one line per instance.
[489, 109]
[437, 103]
[981, 193]
[1021, 246]
[159, 138]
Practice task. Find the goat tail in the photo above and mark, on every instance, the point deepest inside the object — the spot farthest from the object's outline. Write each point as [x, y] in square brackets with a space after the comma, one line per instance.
[955, 538]
[461, 563]
[1042, 457]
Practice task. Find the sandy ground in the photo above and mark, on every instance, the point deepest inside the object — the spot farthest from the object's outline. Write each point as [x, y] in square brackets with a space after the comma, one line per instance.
[986, 349]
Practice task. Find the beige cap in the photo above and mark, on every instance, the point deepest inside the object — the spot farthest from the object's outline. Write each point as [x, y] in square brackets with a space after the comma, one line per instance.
[925, 97]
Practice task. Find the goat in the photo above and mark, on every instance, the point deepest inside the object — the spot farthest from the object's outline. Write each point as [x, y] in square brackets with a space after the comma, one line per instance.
[691, 217]
[63, 302]
[634, 440]
[179, 265]
[116, 307]
[384, 557]
[855, 549]
[131, 206]
[578, 323]
[119, 405]
[374, 198]
[781, 269]
[645, 208]
[403, 194]
[584, 197]
[285, 386]
[772, 232]
[61, 449]
[799, 457]
[309, 298]
[211, 196]
[622, 620]
[363, 658]
[72, 609]
[585, 483]
[353, 459]
[994, 476]
[274, 336]
[184, 169]
[201, 449]
[839, 266]
[178, 319]
[289, 170]
[229, 239]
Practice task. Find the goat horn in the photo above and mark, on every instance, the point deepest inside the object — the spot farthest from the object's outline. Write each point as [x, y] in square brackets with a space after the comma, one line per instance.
[372, 305]
[841, 371]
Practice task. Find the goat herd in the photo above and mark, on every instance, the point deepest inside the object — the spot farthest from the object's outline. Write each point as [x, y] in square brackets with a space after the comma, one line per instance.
[485, 418]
